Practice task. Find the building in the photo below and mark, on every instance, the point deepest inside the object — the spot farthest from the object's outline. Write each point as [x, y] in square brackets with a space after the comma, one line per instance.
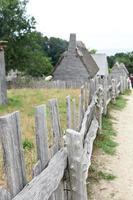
[76, 64]
[119, 70]
[101, 61]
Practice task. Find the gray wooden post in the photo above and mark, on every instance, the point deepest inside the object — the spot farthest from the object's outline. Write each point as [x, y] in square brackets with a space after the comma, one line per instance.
[74, 143]
[56, 128]
[113, 90]
[41, 139]
[99, 109]
[13, 154]
[4, 194]
[105, 95]
[74, 115]
[3, 86]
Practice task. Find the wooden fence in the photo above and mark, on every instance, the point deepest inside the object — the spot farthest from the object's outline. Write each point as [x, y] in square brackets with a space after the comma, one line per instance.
[61, 170]
[27, 82]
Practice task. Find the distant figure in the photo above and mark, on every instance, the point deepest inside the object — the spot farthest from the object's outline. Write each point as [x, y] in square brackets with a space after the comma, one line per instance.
[131, 78]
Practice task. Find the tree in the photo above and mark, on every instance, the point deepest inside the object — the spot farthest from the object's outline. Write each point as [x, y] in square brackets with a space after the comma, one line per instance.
[24, 51]
[126, 58]
[92, 51]
[54, 47]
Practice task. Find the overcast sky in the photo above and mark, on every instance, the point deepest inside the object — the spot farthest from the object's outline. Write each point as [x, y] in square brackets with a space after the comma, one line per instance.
[106, 25]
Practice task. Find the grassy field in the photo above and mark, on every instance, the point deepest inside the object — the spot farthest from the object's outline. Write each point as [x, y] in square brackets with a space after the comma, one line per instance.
[24, 100]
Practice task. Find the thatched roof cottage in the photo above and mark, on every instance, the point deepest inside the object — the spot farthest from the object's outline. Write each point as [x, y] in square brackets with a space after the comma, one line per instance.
[76, 64]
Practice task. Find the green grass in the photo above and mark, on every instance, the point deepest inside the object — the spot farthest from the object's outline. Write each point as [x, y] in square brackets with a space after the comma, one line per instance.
[120, 103]
[25, 100]
[106, 176]
[96, 175]
[105, 140]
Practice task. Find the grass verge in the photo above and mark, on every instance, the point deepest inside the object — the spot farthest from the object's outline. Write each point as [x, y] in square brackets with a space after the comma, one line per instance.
[106, 142]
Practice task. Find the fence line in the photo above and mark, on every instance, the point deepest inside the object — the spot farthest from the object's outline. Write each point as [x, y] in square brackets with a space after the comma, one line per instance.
[41, 83]
[61, 170]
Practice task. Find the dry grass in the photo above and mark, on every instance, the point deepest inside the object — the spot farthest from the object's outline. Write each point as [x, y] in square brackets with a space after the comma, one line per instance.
[25, 100]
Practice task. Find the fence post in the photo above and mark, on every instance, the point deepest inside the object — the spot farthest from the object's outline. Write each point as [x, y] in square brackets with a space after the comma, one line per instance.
[13, 154]
[75, 150]
[4, 194]
[56, 128]
[41, 140]
[113, 90]
[105, 85]
[99, 109]
[74, 115]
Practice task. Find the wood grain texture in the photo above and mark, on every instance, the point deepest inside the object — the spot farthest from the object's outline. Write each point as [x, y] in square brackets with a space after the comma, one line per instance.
[42, 186]
[13, 154]
[4, 194]
[41, 136]
[56, 127]
[88, 146]
[74, 115]
[75, 157]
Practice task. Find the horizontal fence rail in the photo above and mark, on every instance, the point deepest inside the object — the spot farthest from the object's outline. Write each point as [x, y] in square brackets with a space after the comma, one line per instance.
[61, 169]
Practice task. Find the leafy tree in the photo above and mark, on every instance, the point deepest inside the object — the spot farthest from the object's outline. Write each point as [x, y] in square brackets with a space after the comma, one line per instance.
[92, 51]
[126, 58]
[25, 46]
[54, 47]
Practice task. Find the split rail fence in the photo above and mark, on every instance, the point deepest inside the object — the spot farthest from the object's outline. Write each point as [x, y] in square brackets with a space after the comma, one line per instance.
[61, 170]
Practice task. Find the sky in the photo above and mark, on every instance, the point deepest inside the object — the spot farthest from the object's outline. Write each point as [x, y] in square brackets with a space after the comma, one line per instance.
[105, 25]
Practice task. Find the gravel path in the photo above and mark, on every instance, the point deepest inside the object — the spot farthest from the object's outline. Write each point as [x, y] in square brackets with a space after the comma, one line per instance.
[121, 164]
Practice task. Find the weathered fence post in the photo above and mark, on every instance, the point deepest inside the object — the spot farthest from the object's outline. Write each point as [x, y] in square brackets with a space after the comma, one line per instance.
[57, 136]
[74, 143]
[74, 115]
[113, 96]
[4, 194]
[3, 86]
[99, 108]
[13, 154]
[41, 140]
[105, 95]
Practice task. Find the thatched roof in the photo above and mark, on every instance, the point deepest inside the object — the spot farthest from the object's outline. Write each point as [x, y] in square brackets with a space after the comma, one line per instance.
[78, 48]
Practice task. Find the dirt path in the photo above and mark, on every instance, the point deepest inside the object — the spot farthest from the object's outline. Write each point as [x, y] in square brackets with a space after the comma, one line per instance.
[121, 164]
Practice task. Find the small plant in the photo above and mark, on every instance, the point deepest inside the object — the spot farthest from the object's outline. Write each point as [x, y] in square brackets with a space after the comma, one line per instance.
[27, 144]
[106, 176]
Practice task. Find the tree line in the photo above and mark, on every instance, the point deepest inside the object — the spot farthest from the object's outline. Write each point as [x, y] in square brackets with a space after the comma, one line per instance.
[28, 50]
[126, 58]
